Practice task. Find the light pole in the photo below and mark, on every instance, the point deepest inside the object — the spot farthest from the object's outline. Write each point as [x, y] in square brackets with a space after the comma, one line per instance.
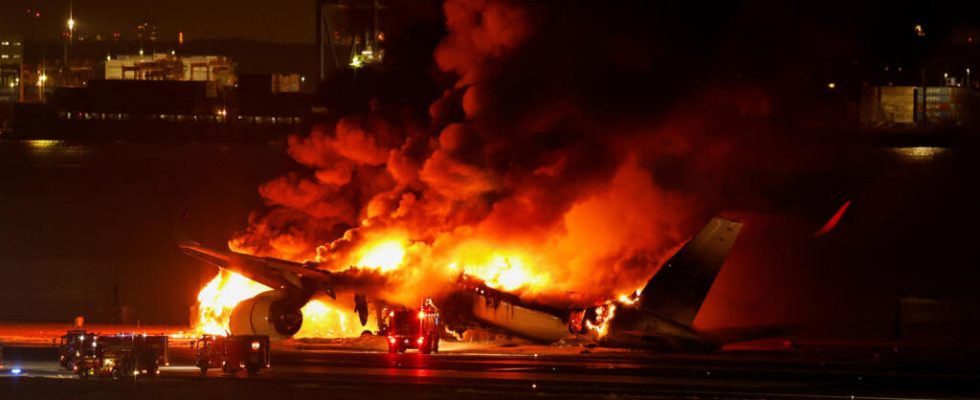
[42, 77]
[71, 36]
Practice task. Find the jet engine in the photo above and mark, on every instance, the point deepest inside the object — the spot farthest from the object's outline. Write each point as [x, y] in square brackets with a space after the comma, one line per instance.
[266, 314]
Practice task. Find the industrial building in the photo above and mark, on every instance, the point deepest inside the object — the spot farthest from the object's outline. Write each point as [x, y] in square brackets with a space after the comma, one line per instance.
[11, 58]
[915, 107]
[160, 66]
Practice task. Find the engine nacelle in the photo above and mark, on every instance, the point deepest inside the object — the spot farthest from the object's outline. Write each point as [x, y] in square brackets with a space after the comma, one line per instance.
[266, 314]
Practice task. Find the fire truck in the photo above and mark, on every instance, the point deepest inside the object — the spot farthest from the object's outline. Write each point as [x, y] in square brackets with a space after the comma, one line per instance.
[74, 345]
[414, 329]
[120, 356]
[78, 344]
[233, 353]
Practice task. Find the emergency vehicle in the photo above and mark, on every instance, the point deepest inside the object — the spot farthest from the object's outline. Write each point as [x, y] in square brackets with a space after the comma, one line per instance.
[120, 356]
[414, 329]
[233, 353]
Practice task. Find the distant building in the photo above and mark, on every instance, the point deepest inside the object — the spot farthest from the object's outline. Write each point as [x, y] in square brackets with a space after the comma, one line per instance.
[11, 49]
[168, 67]
[287, 83]
[911, 107]
[11, 58]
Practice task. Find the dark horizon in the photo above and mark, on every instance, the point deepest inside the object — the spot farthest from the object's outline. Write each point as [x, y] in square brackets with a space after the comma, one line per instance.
[197, 19]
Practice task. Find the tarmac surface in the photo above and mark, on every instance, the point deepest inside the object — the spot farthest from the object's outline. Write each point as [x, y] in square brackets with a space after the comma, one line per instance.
[504, 372]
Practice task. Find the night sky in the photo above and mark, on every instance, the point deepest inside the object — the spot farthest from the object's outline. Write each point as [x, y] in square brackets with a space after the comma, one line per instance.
[286, 21]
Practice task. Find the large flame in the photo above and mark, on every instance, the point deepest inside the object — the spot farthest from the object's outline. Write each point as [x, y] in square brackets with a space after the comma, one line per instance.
[386, 255]
[325, 318]
[505, 270]
[547, 194]
[219, 297]
[322, 318]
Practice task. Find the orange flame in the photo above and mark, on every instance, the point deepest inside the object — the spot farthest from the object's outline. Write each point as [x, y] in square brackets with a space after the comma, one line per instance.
[509, 271]
[386, 255]
[219, 297]
[324, 318]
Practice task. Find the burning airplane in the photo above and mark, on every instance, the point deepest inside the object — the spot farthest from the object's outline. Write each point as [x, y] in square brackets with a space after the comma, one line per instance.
[525, 197]
[659, 315]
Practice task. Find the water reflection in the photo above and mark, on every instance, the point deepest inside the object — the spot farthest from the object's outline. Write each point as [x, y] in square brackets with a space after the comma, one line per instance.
[918, 155]
[45, 149]
[43, 144]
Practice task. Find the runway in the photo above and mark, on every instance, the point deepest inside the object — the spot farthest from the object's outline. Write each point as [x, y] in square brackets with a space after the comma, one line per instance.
[359, 375]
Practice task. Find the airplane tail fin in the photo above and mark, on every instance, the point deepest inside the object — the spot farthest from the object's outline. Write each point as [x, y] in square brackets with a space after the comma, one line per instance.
[677, 291]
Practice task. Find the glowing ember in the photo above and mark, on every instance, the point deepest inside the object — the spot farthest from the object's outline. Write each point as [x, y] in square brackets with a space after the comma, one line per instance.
[629, 299]
[604, 314]
[219, 297]
[386, 255]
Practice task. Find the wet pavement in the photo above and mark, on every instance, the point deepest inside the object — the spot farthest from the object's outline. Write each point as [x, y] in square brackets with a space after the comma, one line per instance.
[358, 375]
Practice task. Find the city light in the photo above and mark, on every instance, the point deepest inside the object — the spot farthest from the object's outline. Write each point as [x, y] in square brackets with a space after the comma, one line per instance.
[71, 24]
[919, 31]
[356, 62]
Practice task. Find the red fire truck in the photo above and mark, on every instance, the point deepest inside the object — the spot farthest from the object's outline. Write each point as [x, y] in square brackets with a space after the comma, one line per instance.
[74, 345]
[233, 353]
[414, 329]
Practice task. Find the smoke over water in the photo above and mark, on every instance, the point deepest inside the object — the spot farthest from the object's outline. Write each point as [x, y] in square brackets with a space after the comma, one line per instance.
[560, 165]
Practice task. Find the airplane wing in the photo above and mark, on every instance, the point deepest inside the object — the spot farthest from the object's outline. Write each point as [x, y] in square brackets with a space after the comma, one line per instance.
[277, 274]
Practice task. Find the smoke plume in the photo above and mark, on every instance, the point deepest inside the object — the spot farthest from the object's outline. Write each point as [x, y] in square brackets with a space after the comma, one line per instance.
[563, 162]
